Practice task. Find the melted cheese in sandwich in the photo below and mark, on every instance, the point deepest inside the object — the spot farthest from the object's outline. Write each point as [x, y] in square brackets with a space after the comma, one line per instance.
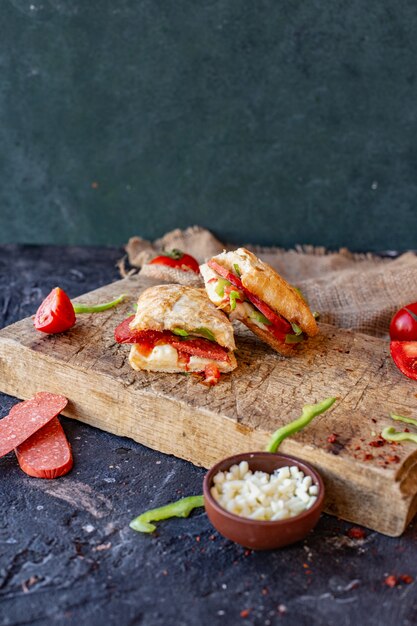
[165, 359]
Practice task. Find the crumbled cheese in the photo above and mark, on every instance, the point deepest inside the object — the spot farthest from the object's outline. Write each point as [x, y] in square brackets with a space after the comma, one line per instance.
[261, 496]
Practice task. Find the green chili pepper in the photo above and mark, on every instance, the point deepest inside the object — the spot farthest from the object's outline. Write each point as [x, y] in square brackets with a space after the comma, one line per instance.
[257, 315]
[221, 284]
[234, 295]
[237, 269]
[401, 418]
[205, 332]
[97, 308]
[181, 508]
[180, 332]
[390, 434]
[297, 330]
[309, 412]
[294, 338]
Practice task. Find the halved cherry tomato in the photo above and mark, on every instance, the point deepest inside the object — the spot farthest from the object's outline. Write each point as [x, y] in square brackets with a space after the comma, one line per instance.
[178, 259]
[404, 354]
[56, 313]
[403, 325]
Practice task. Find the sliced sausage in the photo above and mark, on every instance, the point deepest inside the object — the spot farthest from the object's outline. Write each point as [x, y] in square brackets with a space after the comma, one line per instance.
[47, 453]
[28, 417]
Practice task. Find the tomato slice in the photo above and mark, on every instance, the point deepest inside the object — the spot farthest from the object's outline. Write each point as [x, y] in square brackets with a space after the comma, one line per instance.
[279, 322]
[404, 354]
[403, 325]
[56, 313]
[177, 259]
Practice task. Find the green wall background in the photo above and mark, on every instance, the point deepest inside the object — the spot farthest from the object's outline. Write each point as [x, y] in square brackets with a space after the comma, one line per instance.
[271, 121]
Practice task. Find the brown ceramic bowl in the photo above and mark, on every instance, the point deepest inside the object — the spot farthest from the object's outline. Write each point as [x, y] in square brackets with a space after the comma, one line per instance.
[255, 534]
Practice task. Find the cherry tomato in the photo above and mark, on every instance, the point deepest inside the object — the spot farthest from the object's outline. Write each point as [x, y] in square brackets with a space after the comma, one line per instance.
[56, 313]
[403, 325]
[404, 354]
[178, 260]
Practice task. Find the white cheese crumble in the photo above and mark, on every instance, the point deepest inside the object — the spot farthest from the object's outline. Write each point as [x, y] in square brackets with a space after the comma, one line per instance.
[261, 496]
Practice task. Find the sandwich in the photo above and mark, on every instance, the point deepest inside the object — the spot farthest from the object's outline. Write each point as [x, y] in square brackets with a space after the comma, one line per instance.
[177, 329]
[251, 291]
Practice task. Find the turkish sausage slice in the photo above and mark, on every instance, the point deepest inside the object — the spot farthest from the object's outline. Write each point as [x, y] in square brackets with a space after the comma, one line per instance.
[28, 417]
[47, 453]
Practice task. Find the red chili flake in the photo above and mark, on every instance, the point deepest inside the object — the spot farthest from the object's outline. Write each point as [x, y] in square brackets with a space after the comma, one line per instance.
[332, 438]
[406, 579]
[356, 533]
[391, 581]
[212, 537]
[245, 613]
[368, 457]
[377, 443]
[406, 430]
[357, 448]
[165, 572]
[393, 459]
[248, 552]
[308, 572]
[265, 591]
[305, 565]
[198, 538]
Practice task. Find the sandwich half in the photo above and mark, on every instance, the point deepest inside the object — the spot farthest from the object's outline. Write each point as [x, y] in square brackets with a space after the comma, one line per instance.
[177, 329]
[251, 291]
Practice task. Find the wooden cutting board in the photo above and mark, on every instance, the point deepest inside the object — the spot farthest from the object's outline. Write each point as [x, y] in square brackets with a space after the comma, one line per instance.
[176, 414]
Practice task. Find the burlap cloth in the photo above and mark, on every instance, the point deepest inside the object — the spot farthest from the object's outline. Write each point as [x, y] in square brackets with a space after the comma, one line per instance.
[358, 291]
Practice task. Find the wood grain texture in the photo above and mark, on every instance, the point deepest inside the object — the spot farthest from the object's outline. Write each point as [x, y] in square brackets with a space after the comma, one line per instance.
[373, 486]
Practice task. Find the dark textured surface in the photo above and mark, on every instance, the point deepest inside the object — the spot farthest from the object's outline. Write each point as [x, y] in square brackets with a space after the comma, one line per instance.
[67, 555]
[272, 122]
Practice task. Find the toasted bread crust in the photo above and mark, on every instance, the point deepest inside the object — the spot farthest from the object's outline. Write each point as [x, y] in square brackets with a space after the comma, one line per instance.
[264, 282]
[172, 275]
[165, 307]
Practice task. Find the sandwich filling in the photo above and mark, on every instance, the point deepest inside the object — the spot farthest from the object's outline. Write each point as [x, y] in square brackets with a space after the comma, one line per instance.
[173, 350]
[228, 287]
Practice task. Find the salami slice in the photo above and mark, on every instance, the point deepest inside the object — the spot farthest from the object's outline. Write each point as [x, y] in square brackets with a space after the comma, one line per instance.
[47, 453]
[28, 417]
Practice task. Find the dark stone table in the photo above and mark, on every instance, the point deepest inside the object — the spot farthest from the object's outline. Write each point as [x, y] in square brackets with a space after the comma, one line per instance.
[67, 555]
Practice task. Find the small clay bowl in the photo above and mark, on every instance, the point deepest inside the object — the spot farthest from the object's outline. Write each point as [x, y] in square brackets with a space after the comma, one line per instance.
[255, 534]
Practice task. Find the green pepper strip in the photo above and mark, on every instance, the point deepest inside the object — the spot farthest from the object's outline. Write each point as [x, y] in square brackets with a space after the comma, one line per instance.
[401, 418]
[294, 338]
[220, 285]
[390, 434]
[237, 269]
[233, 296]
[297, 330]
[181, 508]
[205, 332]
[309, 412]
[97, 308]
[180, 332]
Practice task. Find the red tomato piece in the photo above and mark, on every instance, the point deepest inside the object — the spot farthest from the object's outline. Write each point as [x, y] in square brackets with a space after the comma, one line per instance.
[56, 313]
[404, 354]
[212, 374]
[403, 325]
[177, 259]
